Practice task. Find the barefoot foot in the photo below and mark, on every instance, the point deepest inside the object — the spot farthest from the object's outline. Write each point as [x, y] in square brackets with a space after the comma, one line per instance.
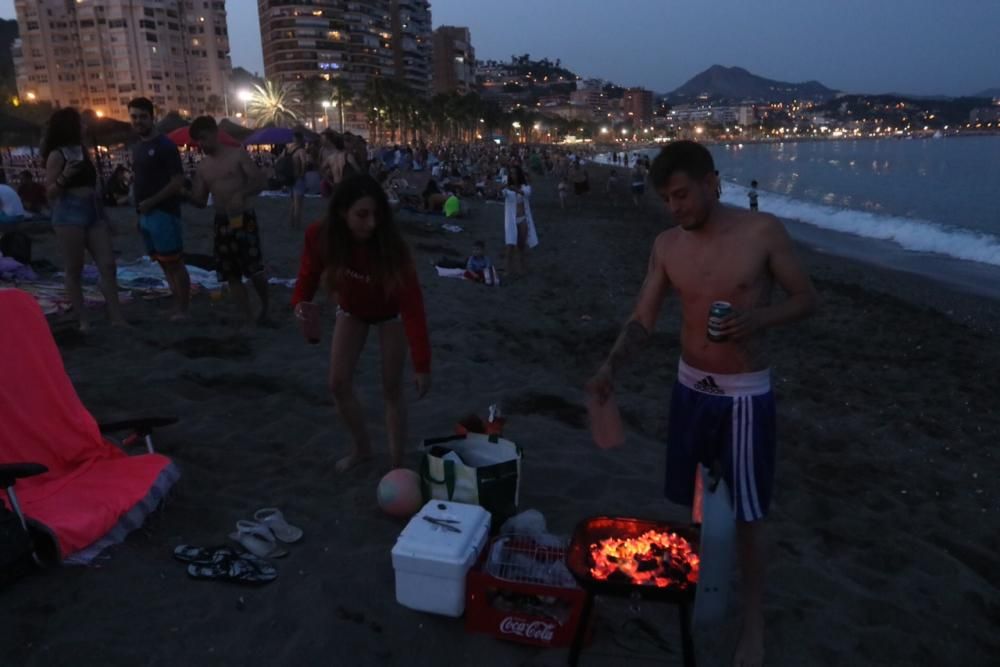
[750, 650]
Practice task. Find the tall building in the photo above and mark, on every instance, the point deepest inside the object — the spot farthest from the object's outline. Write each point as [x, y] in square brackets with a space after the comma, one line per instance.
[98, 55]
[638, 105]
[454, 60]
[412, 44]
[354, 40]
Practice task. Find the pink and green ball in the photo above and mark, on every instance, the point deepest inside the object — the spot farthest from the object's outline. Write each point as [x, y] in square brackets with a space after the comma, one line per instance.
[399, 493]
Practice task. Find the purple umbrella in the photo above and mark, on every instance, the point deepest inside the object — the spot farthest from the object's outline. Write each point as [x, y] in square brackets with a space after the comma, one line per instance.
[270, 136]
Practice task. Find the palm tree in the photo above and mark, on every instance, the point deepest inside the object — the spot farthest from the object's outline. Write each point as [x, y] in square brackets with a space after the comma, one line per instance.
[314, 89]
[271, 104]
[342, 95]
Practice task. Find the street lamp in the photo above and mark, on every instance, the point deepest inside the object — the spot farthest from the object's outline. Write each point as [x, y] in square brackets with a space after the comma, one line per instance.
[326, 111]
[244, 96]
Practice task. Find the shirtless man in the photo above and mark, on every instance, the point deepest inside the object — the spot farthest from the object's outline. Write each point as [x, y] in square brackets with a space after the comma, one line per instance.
[722, 412]
[339, 164]
[232, 178]
[300, 158]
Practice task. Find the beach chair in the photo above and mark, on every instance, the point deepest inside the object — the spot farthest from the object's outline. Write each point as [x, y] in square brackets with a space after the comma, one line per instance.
[91, 493]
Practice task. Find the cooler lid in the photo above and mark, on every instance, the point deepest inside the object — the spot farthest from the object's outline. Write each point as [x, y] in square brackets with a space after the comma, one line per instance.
[433, 539]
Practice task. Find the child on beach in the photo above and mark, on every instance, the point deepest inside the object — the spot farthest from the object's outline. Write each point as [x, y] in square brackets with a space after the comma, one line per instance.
[563, 192]
[612, 187]
[368, 266]
[479, 267]
[752, 195]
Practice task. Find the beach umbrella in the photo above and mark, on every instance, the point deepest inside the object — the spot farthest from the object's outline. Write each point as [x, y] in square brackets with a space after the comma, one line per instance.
[182, 137]
[172, 121]
[234, 130]
[270, 136]
[18, 130]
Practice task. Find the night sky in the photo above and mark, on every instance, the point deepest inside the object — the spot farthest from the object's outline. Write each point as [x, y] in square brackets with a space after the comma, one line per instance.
[920, 47]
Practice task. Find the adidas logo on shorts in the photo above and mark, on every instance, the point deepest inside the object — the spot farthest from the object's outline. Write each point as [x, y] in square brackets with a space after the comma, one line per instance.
[707, 384]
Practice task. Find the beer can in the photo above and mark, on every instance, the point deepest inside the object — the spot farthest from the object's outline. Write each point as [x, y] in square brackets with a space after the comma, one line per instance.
[718, 312]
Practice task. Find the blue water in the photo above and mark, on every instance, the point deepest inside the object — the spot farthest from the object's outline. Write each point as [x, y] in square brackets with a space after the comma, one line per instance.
[939, 196]
[925, 195]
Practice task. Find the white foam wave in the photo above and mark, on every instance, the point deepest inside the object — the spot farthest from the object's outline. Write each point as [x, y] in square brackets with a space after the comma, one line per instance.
[909, 233]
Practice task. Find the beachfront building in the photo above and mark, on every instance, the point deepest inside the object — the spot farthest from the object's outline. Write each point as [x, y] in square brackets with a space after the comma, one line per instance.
[355, 41]
[637, 106]
[454, 60]
[99, 55]
[412, 46]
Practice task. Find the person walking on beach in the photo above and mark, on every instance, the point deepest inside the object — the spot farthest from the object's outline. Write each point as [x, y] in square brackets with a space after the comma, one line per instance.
[722, 413]
[233, 179]
[300, 158]
[752, 195]
[519, 224]
[78, 218]
[368, 266]
[157, 185]
[638, 183]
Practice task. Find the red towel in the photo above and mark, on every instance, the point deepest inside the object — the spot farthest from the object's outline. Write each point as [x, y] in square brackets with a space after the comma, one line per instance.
[91, 484]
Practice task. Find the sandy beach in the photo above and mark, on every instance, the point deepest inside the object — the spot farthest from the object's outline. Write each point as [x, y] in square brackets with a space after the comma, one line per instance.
[883, 529]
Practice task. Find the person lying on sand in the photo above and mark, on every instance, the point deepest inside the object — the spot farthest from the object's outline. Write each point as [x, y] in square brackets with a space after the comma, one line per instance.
[233, 179]
[722, 413]
[369, 268]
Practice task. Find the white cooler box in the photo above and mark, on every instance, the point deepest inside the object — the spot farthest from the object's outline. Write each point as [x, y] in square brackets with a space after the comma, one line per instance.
[431, 561]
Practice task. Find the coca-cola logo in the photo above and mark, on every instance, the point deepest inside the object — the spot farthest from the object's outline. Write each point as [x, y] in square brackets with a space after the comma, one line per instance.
[539, 630]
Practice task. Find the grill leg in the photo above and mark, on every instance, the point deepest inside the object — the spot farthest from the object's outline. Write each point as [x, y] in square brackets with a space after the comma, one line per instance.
[687, 644]
[581, 630]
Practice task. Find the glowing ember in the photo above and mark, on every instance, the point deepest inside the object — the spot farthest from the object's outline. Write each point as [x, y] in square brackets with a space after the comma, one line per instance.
[653, 559]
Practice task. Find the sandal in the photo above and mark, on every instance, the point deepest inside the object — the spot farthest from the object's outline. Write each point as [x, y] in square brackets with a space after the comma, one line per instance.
[187, 553]
[246, 569]
[257, 539]
[275, 520]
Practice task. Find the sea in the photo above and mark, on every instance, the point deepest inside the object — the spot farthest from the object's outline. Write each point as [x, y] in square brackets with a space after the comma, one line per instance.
[929, 206]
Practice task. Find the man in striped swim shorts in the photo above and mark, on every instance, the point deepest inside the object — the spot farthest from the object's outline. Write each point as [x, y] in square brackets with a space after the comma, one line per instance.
[722, 413]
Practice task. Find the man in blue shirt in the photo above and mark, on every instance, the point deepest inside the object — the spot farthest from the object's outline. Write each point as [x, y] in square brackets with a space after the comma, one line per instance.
[158, 181]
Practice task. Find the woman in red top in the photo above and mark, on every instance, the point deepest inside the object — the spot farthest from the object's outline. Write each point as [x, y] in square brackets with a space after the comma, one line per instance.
[358, 254]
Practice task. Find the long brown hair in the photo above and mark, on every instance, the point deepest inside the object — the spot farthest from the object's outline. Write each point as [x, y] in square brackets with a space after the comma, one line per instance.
[390, 255]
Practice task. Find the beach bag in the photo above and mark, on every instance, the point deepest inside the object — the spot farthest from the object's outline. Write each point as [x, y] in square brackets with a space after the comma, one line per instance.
[473, 468]
[284, 169]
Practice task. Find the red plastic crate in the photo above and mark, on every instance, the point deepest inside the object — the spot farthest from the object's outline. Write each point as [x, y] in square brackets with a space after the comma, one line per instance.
[488, 609]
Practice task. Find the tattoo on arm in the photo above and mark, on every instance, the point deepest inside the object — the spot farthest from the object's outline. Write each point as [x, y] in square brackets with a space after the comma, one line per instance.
[633, 337]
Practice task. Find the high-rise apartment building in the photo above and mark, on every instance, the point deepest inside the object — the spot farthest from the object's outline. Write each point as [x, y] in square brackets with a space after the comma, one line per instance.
[412, 44]
[454, 60]
[99, 54]
[355, 40]
[638, 105]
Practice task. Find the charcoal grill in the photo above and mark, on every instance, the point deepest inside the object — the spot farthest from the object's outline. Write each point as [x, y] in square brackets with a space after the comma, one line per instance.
[579, 560]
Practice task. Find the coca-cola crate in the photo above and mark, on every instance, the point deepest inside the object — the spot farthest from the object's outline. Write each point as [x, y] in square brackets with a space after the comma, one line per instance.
[512, 605]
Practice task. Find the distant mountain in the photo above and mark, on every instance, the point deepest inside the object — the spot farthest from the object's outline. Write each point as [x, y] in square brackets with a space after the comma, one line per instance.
[8, 33]
[735, 83]
[989, 92]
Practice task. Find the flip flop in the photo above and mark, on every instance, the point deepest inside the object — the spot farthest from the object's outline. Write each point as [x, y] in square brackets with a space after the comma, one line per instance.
[275, 520]
[257, 539]
[187, 553]
[247, 569]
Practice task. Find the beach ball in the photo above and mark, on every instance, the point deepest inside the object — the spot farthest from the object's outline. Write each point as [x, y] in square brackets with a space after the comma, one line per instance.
[399, 493]
[452, 206]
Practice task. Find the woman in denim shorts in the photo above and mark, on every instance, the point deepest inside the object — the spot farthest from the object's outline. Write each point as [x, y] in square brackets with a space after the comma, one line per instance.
[77, 216]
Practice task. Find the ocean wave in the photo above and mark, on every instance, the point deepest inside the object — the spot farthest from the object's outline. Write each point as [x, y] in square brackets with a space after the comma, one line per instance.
[909, 233]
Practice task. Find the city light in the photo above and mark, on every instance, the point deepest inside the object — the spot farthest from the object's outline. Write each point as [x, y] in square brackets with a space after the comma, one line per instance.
[604, 130]
[325, 104]
[244, 96]
[31, 96]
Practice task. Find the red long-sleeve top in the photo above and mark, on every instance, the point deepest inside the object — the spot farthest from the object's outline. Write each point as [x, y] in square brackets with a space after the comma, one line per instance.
[362, 298]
